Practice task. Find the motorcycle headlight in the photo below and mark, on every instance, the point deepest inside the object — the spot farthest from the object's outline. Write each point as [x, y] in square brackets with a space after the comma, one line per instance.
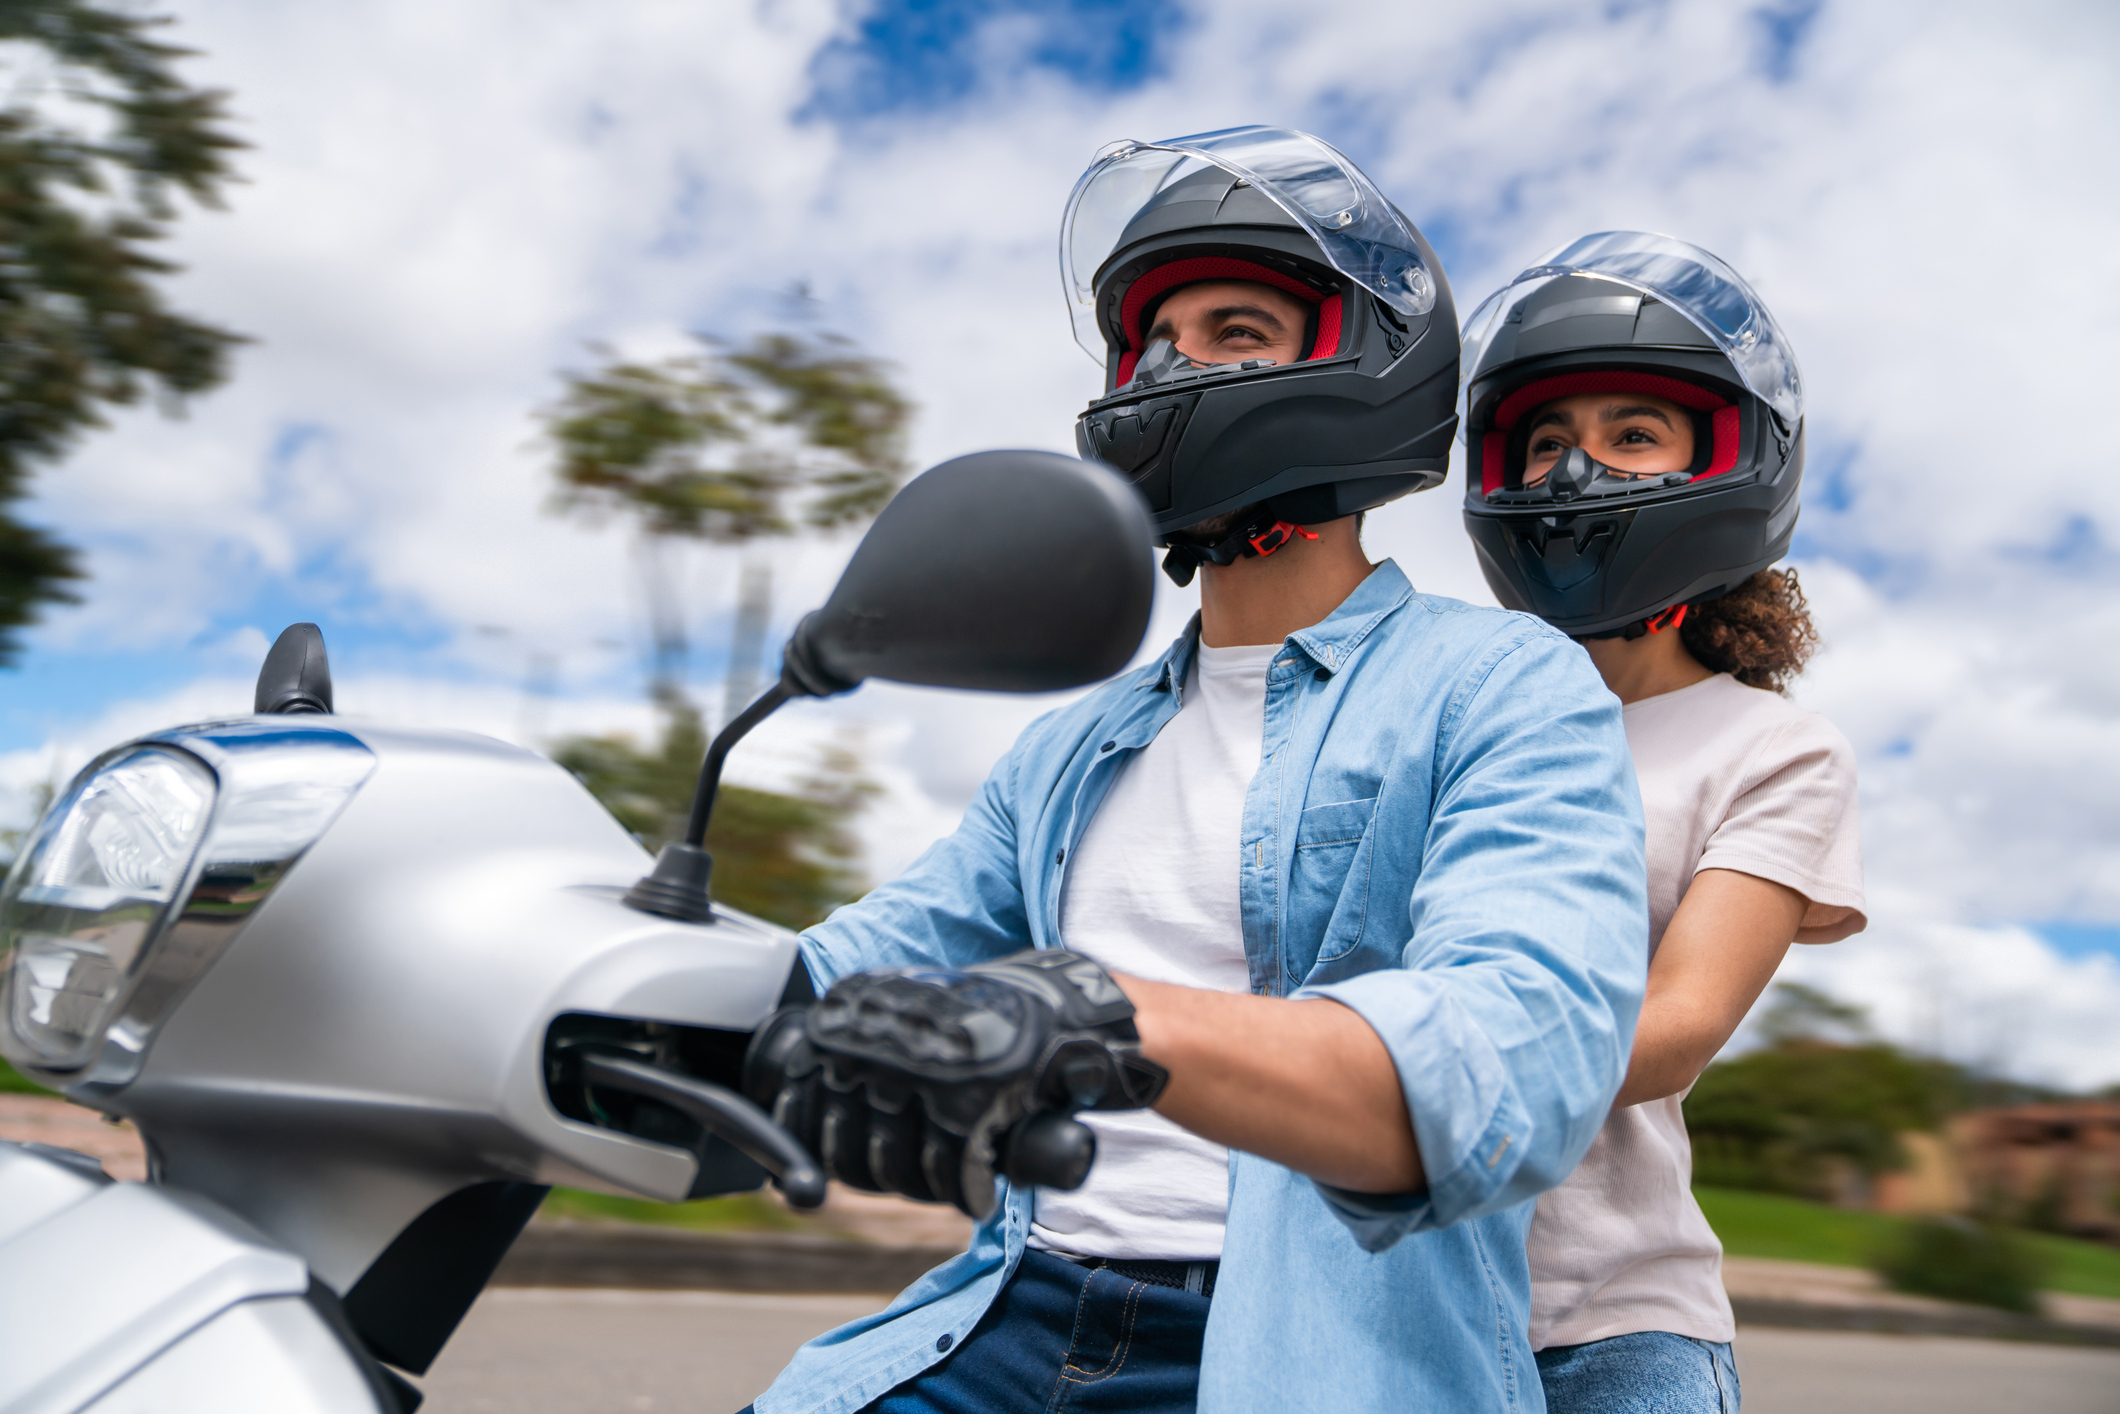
[91, 892]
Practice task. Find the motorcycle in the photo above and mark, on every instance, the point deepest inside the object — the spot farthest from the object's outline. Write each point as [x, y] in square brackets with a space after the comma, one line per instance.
[367, 992]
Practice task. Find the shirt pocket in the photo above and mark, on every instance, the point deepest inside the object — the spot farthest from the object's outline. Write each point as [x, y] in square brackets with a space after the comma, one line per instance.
[1328, 893]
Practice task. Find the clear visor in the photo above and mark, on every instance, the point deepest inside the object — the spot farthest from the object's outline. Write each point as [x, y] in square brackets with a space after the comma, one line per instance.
[1693, 282]
[1361, 235]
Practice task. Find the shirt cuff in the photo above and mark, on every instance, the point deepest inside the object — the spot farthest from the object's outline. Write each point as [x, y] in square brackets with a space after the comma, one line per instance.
[1468, 1120]
[1830, 904]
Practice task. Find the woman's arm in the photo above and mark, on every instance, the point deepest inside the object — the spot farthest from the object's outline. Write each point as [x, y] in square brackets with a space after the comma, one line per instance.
[1718, 954]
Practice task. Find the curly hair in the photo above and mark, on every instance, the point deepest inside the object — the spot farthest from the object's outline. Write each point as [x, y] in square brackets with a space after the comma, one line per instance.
[1760, 632]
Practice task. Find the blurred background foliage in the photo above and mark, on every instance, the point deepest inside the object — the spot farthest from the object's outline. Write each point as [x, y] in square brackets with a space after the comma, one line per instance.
[739, 447]
[98, 136]
[1959, 1259]
[731, 446]
[1772, 1120]
[1823, 1102]
[787, 858]
[1790, 1138]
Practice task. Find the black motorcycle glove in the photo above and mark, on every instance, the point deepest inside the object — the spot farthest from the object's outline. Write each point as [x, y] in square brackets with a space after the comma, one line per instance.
[929, 1081]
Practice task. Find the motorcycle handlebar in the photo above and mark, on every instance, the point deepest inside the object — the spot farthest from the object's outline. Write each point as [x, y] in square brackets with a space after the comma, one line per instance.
[723, 1113]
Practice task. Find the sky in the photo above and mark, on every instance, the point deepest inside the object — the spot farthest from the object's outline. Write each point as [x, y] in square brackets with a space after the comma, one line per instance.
[446, 205]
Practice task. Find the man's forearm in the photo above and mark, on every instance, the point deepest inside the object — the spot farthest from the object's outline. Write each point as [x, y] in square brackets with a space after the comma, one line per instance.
[1307, 1084]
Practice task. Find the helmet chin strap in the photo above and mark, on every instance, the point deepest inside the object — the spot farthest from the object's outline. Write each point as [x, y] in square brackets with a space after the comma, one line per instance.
[1263, 534]
[1642, 628]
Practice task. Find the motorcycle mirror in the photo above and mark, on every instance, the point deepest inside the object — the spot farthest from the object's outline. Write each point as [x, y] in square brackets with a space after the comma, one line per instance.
[1001, 571]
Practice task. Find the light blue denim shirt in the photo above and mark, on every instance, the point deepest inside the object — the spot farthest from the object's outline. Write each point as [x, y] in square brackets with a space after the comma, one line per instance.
[1444, 835]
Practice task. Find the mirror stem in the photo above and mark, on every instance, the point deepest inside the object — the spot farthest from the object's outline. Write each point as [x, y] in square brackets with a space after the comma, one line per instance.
[677, 886]
[718, 752]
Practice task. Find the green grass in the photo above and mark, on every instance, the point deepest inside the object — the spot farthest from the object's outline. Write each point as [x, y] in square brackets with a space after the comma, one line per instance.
[1769, 1225]
[12, 1082]
[740, 1212]
[2081, 1268]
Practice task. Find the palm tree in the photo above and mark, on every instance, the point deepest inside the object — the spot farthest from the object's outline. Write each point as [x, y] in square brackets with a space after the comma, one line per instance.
[733, 447]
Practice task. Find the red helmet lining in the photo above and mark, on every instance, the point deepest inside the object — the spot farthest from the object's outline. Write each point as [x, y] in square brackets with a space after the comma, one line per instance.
[1218, 267]
[1724, 416]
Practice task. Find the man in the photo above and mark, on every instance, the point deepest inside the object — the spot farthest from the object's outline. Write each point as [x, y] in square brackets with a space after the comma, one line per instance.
[1366, 864]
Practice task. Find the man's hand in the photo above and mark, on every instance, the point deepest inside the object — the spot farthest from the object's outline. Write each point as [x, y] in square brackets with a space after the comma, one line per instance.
[929, 1081]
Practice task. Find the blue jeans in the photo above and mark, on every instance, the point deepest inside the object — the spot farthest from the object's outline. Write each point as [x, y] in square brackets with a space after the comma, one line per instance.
[1649, 1372]
[1062, 1336]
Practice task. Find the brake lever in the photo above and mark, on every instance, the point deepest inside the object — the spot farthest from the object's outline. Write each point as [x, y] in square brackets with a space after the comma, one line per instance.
[723, 1113]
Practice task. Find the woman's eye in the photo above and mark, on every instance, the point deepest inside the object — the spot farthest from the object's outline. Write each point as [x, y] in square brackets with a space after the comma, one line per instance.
[1546, 447]
[1636, 437]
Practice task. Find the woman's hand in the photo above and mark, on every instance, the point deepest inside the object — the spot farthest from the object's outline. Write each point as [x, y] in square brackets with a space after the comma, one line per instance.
[1718, 954]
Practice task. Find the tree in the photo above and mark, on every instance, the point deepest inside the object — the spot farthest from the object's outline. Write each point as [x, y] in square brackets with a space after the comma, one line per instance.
[1823, 1089]
[789, 859]
[733, 448]
[1776, 1118]
[1800, 1012]
[98, 138]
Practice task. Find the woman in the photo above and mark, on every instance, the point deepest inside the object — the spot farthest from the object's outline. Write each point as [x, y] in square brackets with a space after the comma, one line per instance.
[1635, 420]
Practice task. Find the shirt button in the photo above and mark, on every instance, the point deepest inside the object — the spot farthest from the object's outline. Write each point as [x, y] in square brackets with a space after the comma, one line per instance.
[1108, 746]
[1323, 673]
[944, 1342]
[1060, 858]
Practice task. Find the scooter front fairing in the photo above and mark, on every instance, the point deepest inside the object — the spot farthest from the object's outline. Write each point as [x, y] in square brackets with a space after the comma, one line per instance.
[355, 1019]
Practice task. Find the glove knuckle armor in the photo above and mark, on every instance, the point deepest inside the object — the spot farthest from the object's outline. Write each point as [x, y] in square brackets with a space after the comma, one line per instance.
[930, 1081]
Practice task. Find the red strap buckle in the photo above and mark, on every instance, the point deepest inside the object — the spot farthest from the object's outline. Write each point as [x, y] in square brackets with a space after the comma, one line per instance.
[1277, 535]
[1669, 618]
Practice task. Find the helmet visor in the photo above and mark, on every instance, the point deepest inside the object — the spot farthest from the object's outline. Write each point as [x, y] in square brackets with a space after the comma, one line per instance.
[1359, 232]
[1707, 292]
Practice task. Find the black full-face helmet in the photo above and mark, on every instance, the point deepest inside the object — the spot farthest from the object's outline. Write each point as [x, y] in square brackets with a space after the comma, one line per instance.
[1366, 414]
[1593, 551]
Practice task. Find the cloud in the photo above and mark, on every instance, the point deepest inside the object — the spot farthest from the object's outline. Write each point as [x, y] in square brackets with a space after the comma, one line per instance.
[1994, 997]
[445, 204]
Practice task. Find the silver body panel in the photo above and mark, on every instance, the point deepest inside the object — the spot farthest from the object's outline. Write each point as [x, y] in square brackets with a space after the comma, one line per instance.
[368, 1035]
[125, 1296]
[262, 1357]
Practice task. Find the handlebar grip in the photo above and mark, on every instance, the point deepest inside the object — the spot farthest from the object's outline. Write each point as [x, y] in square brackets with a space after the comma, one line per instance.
[1050, 1150]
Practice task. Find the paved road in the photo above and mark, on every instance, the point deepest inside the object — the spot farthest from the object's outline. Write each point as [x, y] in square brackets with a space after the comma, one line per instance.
[531, 1350]
[1817, 1372]
[654, 1352]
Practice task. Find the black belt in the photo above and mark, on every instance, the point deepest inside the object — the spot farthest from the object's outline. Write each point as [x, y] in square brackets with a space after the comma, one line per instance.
[1195, 1277]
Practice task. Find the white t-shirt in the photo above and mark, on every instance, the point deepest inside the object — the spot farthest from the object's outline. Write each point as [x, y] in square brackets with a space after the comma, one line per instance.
[1731, 778]
[1152, 890]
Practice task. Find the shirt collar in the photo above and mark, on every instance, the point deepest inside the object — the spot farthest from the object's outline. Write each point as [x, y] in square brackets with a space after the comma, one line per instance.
[1329, 643]
[1169, 675]
[1332, 642]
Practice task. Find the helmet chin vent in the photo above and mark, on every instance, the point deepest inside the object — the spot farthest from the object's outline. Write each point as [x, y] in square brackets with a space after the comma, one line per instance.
[1128, 441]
